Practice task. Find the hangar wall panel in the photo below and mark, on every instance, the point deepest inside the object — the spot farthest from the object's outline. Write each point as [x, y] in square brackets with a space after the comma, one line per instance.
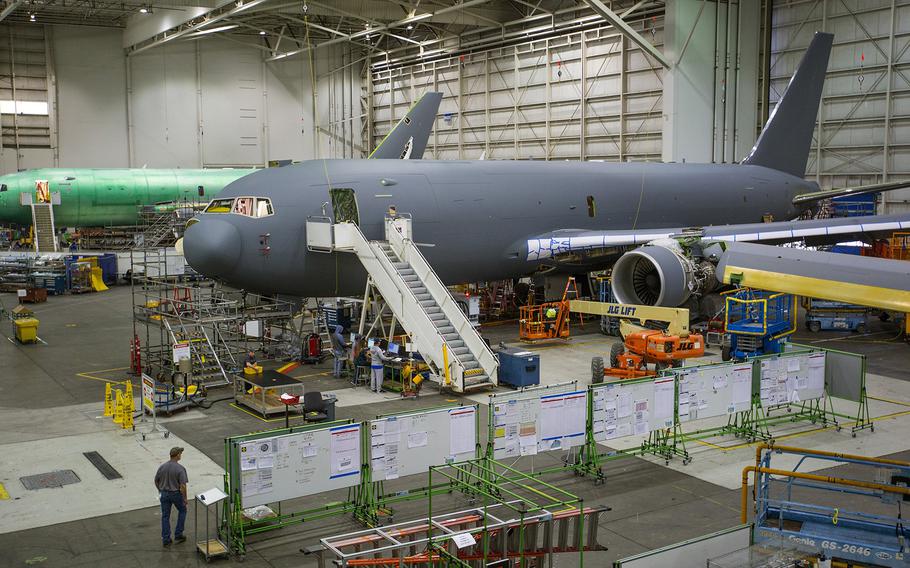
[863, 133]
[589, 95]
[189, 105]
[165, 116]
[91, 97]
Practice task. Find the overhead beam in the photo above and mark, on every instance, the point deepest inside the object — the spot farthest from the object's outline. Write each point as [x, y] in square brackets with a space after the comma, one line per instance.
[383, 28]
[221, 12]
[10, 8]
[621, 25]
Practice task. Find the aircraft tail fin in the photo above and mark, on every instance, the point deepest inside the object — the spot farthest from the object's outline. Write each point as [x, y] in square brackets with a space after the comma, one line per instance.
[785, 140]
[409, 138]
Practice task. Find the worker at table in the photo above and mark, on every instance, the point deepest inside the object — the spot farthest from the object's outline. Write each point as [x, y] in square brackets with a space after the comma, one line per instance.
[377, 360]
[251, 366]
[339, 351]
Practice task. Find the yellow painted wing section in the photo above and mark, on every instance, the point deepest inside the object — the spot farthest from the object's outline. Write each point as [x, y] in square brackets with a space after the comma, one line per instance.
[873, 296]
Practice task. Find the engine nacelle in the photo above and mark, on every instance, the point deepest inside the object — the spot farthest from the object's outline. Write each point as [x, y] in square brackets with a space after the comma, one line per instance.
[661, 273]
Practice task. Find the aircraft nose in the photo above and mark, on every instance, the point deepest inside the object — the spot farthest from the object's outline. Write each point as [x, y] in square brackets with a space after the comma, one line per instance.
[211, 246]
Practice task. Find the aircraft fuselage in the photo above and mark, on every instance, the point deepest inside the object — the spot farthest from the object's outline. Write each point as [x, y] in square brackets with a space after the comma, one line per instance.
[472, 218]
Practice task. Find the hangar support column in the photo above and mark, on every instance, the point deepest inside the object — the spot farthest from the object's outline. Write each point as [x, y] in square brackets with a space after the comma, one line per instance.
[711, 90]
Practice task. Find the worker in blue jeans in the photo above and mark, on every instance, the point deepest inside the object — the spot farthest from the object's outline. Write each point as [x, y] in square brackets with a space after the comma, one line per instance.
[170, 480]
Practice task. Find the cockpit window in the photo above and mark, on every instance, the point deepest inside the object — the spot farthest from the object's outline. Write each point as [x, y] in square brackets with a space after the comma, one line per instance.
[243, 206]
[246, 206]
[263, 207]
[220, 206]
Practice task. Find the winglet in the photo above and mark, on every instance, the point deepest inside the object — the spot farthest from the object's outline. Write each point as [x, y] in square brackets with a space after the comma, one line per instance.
[784, 142]
[409, 138]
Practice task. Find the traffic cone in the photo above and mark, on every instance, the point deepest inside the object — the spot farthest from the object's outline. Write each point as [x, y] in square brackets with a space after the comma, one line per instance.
[108, 400]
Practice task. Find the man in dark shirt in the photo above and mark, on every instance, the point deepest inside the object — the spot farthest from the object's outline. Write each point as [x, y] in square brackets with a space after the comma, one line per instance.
[170, 480]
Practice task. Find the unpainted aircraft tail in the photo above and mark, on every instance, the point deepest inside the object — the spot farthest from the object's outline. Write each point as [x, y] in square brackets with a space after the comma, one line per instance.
[409, 138]
[784, 142]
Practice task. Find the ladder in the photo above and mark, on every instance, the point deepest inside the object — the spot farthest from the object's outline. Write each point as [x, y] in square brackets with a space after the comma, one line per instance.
[208, 367]
[532, 541]
[421, 303]
[43, 222]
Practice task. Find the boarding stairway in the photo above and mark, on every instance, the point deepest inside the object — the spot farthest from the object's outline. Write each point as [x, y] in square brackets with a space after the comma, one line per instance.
[45, 239]
[421, 303]
[532, 542]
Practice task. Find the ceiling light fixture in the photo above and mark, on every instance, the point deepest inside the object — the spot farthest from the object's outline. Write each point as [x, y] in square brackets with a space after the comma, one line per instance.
[31, 18]
[262, 32]
[143, 10]
[410, 26]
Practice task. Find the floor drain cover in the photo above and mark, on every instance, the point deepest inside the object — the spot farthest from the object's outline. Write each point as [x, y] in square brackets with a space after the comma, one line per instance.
[106, 469]
[50, 479]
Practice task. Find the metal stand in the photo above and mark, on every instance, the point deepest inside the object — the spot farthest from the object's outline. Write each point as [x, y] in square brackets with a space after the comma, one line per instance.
[209, 547]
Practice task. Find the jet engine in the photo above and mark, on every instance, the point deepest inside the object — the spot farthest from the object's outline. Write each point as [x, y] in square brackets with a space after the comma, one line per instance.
[663, 273]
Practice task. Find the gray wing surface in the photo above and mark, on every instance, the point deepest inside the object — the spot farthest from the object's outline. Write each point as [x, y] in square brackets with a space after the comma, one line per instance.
[819, 230]
[408, 140]
[862, 280]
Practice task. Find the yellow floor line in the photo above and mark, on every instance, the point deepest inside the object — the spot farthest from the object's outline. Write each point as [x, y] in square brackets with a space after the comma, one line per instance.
[257, 416]
[94, 378]
[107, 370]
[803, 433]
[3, 494]
[322, 374]
[899, 403]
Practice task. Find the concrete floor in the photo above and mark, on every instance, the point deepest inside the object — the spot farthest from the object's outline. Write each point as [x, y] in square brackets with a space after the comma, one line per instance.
[50, 406]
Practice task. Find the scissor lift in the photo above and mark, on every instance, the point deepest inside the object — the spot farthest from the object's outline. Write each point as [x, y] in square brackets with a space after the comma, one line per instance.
[757, 321]
[855, 519]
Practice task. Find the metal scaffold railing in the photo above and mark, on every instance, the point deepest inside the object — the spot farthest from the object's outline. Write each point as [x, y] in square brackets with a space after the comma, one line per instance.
[178, 315]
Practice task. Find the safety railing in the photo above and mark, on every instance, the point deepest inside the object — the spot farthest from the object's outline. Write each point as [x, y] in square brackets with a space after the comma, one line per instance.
[398, 235]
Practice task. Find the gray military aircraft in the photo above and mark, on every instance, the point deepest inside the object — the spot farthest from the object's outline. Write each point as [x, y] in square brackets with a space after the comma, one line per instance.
[491, 220]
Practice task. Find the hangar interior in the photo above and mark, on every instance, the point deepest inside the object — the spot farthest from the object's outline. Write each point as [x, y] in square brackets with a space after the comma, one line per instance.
[219, 220]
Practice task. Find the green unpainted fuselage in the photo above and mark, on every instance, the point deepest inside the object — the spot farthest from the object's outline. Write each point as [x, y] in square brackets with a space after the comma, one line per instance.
[109, 197]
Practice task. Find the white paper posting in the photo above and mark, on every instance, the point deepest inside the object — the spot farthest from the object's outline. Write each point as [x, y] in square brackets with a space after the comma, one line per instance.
[345, 450]
[417, 439]
[552, 422]
[741, 395]
[624, 404]
[664, 398]
[462, 431]
[792, 364]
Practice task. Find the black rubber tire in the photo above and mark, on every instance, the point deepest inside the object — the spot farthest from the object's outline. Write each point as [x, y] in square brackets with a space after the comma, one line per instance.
[616, 350]
[597, 370]
[725, 354]
[861, 328]
[814, 326]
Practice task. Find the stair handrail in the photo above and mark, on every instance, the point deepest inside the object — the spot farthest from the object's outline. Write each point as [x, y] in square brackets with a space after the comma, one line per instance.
[392, 274]
[408, 251]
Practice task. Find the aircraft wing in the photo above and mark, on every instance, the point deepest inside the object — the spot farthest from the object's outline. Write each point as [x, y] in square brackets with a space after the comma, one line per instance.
[837, 229]
[844, 191]
[863, 280]
[409, 138]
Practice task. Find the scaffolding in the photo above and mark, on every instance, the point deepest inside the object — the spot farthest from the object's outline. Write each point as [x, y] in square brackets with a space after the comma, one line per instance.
[182, 316]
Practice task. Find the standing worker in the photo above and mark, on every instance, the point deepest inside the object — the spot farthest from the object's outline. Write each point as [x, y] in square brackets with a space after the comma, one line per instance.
[377, 358]
[339, 350]
[170, 481]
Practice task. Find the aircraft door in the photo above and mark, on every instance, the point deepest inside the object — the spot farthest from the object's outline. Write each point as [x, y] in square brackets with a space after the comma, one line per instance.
[344, 206]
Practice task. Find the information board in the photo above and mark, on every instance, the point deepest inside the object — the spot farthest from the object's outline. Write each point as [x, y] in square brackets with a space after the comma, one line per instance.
[298, 464]
[407, 444]
[539, 421]
[709, 391]
[626, 408]
[792, 378]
